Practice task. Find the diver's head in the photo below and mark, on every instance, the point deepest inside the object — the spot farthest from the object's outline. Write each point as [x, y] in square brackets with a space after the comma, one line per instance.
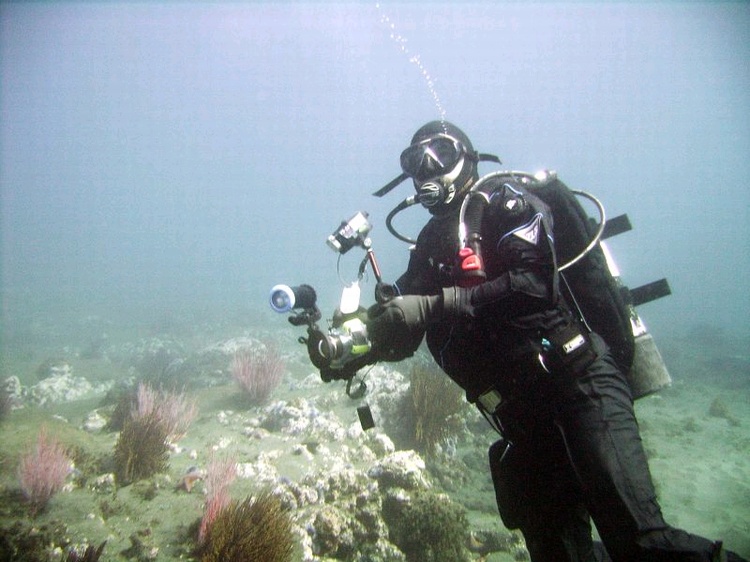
[442, 163]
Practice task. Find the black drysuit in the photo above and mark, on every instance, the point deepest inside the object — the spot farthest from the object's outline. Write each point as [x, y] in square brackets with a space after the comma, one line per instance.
[571, 450]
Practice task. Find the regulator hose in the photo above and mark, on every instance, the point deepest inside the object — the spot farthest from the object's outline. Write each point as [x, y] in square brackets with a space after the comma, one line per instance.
[413, 199]
[534, 179]
[405, 204]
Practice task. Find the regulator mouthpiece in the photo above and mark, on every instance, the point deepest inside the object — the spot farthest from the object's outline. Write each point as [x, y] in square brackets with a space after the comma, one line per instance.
[284, 298]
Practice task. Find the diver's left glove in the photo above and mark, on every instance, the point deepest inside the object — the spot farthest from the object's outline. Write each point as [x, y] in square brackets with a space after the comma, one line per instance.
[396, 327]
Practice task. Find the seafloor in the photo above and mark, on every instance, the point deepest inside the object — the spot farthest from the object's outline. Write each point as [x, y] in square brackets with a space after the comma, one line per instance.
[305, 442]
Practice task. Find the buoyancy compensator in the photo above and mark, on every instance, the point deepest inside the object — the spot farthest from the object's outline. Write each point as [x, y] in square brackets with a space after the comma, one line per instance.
[590, 277]
[588, 272]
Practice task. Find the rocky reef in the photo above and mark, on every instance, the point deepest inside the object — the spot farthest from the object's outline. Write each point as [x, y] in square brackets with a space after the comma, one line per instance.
[350, 493]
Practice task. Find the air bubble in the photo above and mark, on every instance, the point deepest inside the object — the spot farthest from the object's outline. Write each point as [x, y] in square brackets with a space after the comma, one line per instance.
[414, 59]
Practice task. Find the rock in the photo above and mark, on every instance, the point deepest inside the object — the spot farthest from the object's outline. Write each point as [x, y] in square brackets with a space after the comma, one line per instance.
[104, 483]
[296, 496]
[94, 422]
[401, 469]
[231, 346]
[53, 367]
[345, 482]
[262, 471]
[141, 546]
[333, 535]
[62, 387]
[300, 417]
[381, 444]
[14, 390]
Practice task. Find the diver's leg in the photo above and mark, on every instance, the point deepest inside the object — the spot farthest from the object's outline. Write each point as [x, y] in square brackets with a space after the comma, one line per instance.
[567, 538]
[537, 494]
[601, 434]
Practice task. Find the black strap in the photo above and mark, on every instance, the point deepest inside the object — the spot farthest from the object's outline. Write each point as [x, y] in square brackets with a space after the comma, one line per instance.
[483, 157]
[387, 188]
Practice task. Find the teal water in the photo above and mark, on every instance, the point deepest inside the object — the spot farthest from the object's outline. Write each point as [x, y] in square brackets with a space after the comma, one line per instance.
[163, 166]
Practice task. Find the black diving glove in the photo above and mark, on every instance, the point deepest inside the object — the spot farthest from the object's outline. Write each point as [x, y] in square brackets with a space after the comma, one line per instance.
[385, 292]
[457, 303]
[396, 327]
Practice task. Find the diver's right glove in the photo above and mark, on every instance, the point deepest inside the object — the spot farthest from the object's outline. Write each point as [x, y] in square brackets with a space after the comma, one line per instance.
[457, 302]
[396, 327]
[385, 292]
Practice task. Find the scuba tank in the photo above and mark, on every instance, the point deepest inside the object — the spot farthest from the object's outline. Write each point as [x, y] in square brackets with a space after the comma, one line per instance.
[648, 372]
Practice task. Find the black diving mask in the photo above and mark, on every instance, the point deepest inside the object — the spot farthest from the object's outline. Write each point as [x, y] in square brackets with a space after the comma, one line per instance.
[433, 157]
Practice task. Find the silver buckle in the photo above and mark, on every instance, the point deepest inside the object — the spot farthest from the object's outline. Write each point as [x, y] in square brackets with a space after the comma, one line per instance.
[490, 401]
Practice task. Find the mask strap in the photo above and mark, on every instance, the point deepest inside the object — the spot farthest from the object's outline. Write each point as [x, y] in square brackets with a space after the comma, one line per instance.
[483, 157]
[387, 188]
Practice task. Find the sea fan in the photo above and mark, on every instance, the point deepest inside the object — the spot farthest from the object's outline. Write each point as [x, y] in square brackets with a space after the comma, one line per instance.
[254, 529]
[142, 449]
[43, 470]
[258, 372]
[435, 404]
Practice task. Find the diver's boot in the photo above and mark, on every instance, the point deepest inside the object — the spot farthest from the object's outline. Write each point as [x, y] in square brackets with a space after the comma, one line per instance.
[723, 555]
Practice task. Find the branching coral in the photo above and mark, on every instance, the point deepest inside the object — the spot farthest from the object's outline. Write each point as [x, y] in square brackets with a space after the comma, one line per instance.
[220, 474]
[258, 371]
[153, 419]
[43, 470]
[174, 410]
[141, 450]
[435, 403]
[254, 529]
[125, 401]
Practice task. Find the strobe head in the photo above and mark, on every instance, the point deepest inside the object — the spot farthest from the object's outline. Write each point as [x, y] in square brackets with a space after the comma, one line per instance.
[351, 233]
[284, 298]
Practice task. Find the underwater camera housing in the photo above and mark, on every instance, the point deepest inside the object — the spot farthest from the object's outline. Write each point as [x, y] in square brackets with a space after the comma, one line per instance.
[339, 352]
[345, 348]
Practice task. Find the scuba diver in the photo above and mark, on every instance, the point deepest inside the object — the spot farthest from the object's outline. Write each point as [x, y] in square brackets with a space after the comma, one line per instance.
[484, 284]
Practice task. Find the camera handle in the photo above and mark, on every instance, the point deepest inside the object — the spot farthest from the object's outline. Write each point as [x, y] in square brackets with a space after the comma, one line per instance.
[374, 265]
[369, 258]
